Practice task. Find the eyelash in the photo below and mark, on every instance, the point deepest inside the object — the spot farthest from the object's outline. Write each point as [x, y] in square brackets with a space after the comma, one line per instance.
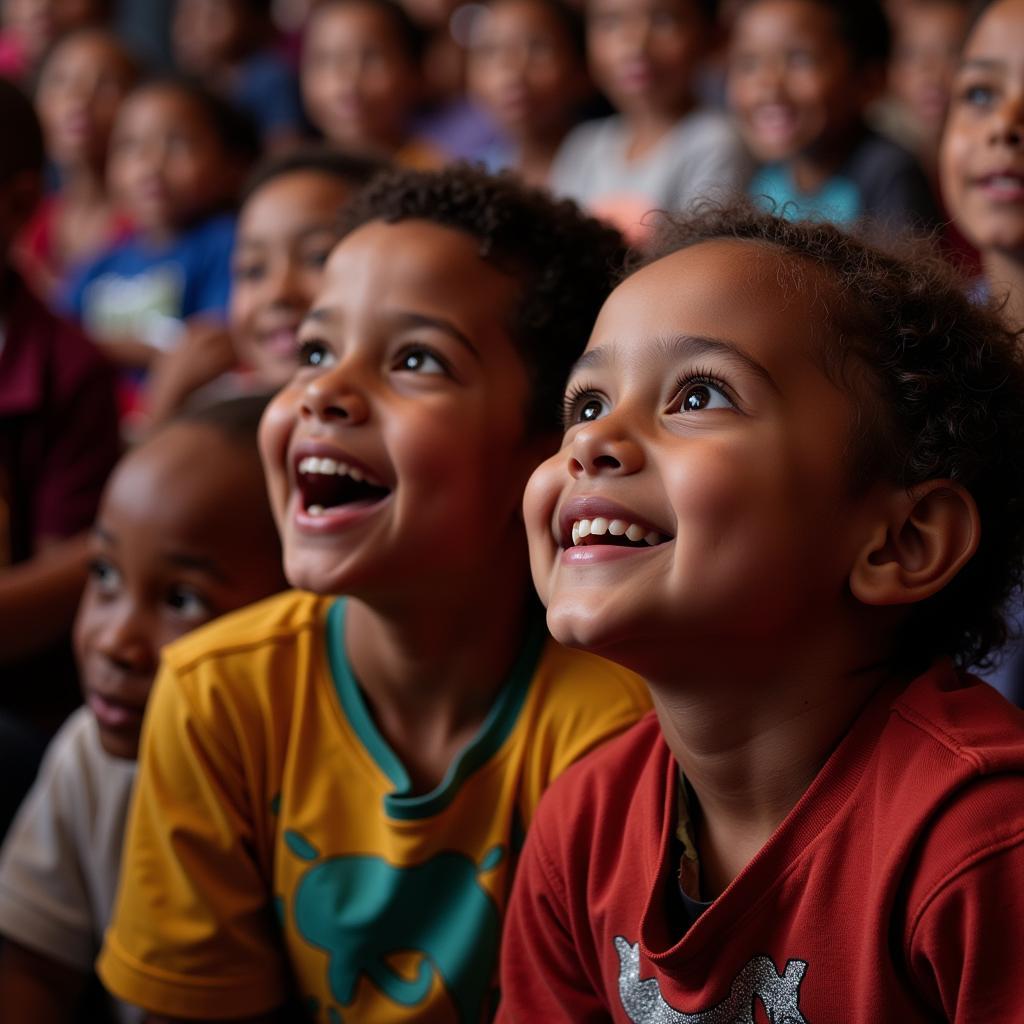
[577, 393]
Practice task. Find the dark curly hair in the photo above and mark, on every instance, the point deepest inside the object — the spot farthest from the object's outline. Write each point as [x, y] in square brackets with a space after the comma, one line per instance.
[938, 382]
[565, 261]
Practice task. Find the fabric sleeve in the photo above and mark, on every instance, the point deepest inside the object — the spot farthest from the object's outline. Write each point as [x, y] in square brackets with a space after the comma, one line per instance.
[44, 901]
[84, 442]
[897, 194]
[713, 163]
[193, 933]
[543, 977]
[213, 281]
[966, 916]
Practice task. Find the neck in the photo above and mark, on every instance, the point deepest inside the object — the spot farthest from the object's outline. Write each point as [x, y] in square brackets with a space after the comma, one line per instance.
[536, 156]
[83, 184]
[647, 128]
[432, 664]
[813, 167]
[750, 742]
[1005, 274]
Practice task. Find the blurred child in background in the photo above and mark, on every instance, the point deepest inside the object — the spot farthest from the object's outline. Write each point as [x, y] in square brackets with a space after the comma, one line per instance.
[30, 28]
[527, 68]
[81, 86]
[178, 156]
[927, 37]
[287, 225]
[801, 75]
[184, 534]
[362, 79]
[662, 150]
[58, 442]
[229, 46]
[982, 176]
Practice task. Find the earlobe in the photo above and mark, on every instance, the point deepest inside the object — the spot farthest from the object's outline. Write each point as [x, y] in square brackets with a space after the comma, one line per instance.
[928, 536]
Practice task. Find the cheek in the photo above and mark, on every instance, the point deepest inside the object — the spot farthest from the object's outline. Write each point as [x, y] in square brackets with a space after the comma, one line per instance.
[276, 428]
[244, 298]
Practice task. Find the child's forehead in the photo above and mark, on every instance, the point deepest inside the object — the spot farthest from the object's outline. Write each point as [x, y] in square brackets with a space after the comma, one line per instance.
[740, 291]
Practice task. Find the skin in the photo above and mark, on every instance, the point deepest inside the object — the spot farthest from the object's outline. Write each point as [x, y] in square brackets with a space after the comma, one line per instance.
[526, 72]
[286, 231]
[359, 85]
[164, 560]
[794, 89]
[763, 620]
[410, 373]
[81, 87]
[209, 35]
[642, 55]
[926, 52]
[167, 166]
[982, 154]
[37, 23]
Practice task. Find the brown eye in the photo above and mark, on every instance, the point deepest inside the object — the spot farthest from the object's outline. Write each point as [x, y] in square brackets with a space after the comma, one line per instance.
[697, 398]
[590, 411]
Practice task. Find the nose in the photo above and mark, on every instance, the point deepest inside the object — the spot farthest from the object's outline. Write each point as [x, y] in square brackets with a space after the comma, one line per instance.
[125, 638]
[283, 286]
[1008, 126]
[333, 396]
[601, 448]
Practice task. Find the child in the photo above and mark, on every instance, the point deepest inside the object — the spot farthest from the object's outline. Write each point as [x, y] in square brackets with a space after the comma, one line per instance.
[982, 159]
[801, 74]
[926, 50]
[287, 225]
[982, 176]
[58, 442]
[361, 79]
[365, 765]
[662, 151]
[824, 821]
[178, 155]
[183, 535]
[228, 44]
[31, 27]
[527, 67]
[81, 85]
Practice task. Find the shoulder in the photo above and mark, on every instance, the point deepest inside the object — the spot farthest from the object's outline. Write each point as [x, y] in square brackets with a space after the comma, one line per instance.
[283, 622]
[214, 234]
[604, 787]
[706, 126]
[590, 136]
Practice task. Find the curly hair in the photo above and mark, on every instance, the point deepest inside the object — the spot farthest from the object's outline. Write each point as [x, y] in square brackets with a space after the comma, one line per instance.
[938, 385]
[566, 262]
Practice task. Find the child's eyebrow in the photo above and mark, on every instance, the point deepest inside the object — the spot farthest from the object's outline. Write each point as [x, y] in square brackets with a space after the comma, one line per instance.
[693, 345]
[198, 563]
[982, 64]
[404, 318]
[687, 346]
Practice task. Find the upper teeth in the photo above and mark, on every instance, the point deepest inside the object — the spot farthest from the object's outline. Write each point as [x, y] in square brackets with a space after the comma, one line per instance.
[332, 467]
[616, 527]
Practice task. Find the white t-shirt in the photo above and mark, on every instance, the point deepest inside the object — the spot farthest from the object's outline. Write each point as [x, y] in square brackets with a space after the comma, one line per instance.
[702, 157]
[60, 860]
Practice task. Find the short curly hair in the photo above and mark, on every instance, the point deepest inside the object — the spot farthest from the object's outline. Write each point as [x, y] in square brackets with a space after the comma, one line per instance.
[565, 261]
[938, 383]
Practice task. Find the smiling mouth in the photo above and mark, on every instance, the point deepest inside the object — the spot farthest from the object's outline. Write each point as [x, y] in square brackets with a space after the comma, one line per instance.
[329, 483]
[613, 532]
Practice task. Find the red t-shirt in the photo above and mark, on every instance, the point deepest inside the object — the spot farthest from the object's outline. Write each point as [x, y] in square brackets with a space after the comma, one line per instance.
[893, 891]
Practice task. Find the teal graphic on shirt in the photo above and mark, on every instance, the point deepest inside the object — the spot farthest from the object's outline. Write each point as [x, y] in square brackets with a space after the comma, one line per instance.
[361, 910]
[838, 200]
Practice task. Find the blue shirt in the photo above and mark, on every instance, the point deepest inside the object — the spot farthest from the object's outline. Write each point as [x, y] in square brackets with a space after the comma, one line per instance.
[143, 291]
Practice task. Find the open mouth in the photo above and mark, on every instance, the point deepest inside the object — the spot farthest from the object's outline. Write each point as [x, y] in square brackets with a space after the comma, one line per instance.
[328, 483]
[614, 532]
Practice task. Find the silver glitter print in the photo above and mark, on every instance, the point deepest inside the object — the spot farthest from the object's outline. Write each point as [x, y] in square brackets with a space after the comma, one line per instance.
[759, 980]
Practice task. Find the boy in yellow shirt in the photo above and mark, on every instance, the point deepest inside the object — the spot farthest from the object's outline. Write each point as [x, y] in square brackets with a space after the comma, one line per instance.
[333, 790]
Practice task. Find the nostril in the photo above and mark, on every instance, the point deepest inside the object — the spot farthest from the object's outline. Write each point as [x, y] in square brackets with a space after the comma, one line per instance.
[606, 462]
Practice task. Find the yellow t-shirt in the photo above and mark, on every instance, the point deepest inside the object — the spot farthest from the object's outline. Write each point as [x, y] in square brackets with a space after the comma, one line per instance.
[273, 836]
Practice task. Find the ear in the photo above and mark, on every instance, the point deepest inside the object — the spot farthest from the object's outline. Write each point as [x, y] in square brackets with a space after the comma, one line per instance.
[925, 538]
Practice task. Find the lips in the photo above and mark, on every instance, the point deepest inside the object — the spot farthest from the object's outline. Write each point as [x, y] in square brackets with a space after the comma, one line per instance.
[1005, 185]
[333, 489]
[588, 521]
[114, 714]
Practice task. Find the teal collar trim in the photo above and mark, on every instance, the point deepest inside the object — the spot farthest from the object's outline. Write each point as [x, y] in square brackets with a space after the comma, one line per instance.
[402, 804]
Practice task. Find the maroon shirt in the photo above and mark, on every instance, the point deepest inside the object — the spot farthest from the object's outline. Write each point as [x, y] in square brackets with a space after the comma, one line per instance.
[58, 427]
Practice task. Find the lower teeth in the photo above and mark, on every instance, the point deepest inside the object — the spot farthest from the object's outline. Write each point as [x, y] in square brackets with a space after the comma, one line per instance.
[315, 510]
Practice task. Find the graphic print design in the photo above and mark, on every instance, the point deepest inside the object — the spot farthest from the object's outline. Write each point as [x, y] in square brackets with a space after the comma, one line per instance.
[363, 911]
[778, 994]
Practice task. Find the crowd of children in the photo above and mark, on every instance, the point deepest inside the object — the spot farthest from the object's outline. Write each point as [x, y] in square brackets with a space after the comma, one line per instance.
[363, 324]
